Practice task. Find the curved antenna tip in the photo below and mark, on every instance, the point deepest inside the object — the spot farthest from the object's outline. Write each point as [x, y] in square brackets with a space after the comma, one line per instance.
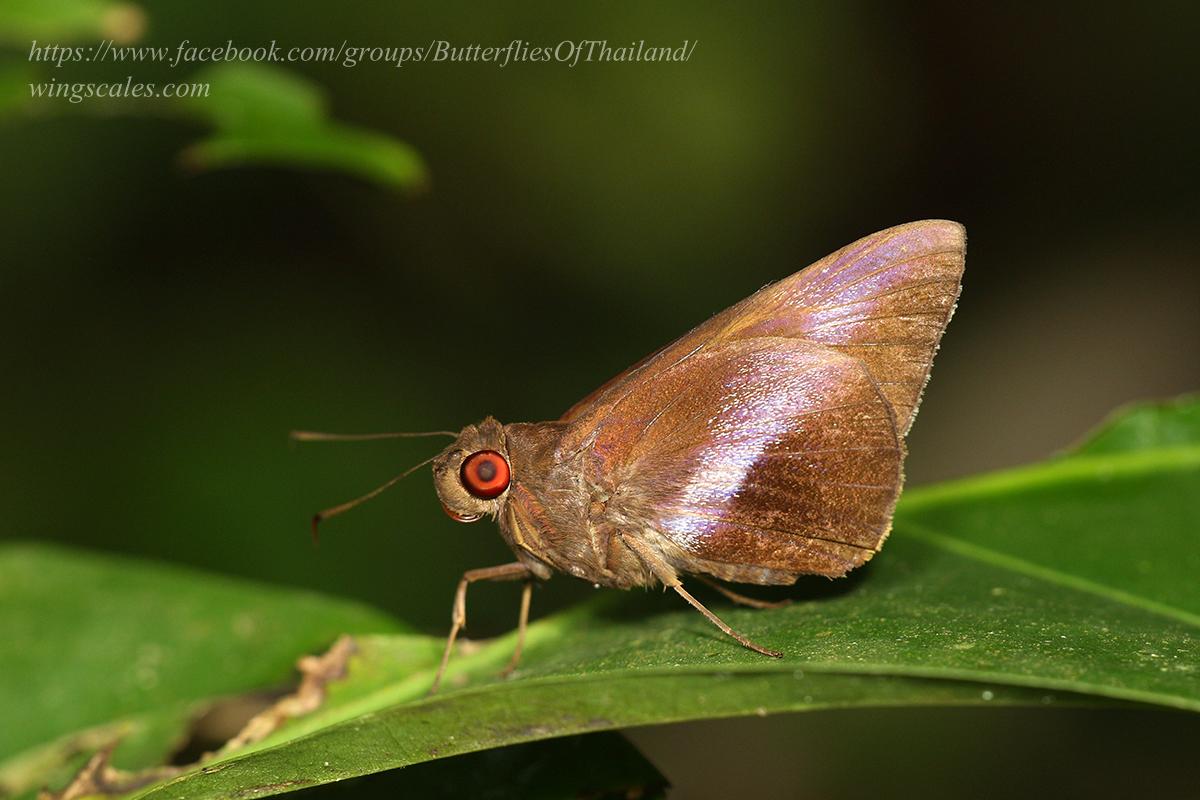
[341, 508]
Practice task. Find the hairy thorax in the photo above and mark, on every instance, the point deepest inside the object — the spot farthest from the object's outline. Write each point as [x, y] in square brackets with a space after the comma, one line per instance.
[558, 516]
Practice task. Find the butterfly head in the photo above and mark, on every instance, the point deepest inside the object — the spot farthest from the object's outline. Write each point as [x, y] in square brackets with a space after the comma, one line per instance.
[473, 474]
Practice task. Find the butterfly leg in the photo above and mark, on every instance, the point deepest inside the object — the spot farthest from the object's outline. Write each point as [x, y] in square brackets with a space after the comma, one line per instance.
[458, 618]
[522, 624]
[741, 598]
[666, 574]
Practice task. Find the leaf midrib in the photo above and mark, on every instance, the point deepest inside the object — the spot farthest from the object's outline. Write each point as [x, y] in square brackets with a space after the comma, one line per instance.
[1048, 574]
[497, 651]
[408, 692]
[1069, 469]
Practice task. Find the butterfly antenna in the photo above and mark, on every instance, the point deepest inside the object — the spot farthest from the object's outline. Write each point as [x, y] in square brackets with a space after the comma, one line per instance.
[317, 436]
[321, 516]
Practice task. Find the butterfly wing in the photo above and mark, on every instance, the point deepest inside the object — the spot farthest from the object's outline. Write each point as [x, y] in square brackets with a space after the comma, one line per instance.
[768, 441]
[885, 299]
[762, 458]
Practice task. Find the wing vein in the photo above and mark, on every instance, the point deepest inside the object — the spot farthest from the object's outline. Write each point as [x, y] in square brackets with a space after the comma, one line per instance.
[896, 290]
[887, 266]
[845, 321]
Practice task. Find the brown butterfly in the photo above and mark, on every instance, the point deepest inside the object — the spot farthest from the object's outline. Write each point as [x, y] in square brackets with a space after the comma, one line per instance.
[765, 444]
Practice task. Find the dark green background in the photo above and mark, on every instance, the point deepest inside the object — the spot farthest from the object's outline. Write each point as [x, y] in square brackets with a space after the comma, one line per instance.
[163, 331]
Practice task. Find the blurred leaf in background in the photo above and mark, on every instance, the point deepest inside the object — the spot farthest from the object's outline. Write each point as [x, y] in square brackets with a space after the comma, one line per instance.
[265, 115]
[260, 114]
[15, 78]
[62, 21]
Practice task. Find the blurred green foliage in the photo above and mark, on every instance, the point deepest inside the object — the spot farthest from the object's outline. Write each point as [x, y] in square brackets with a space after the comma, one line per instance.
[68, 21]
[264, 115]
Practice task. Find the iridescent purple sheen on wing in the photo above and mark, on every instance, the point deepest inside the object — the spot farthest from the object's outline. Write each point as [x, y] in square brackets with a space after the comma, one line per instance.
[768, 441]
[759, 404]
[792, 422]
[775, 449]
[885, 299]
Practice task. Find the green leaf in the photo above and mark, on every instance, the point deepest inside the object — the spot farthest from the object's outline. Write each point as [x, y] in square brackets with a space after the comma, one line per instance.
[1073, 576]
[97, 642]
[1071, 581]
[1117, 520]
[497, 714]
[1160, 426]
[62, 21]
[264, 115]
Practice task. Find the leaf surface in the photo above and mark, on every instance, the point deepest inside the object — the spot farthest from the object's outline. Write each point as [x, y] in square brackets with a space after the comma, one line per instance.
[1066, 582]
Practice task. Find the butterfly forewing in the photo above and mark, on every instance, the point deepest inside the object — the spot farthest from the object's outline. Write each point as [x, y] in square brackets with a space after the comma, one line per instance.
[768, 441]
[885, 299]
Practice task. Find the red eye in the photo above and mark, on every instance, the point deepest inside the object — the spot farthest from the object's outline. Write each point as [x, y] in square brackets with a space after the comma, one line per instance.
[485, 474]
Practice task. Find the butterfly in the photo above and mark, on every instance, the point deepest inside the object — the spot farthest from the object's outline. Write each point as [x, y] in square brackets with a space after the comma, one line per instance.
[765, 444]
